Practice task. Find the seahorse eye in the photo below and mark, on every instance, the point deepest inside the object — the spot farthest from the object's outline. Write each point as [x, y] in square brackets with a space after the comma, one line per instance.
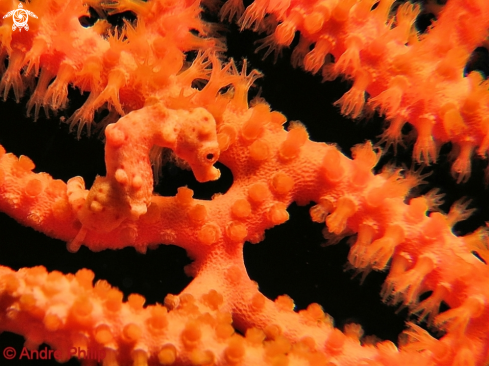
[209, 155]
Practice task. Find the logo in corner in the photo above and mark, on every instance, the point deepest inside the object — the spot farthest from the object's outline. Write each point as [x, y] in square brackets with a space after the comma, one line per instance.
[20, 17]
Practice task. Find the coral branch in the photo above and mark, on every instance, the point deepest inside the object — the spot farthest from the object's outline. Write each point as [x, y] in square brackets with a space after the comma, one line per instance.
[408, 77]
[169, 91]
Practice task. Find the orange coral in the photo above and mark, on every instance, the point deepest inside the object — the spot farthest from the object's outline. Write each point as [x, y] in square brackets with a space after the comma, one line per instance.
[408, 78]
[141, 74]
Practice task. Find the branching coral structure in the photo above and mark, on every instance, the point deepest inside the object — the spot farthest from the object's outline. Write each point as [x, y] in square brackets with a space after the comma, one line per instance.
[407, 78]
[159, 85]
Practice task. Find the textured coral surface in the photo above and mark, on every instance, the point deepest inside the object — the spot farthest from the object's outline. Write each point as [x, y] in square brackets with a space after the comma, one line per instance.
[431, 270]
